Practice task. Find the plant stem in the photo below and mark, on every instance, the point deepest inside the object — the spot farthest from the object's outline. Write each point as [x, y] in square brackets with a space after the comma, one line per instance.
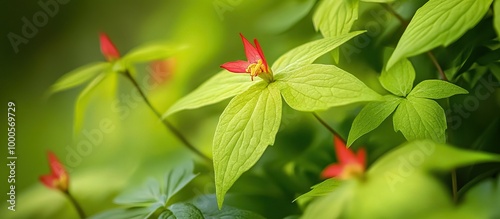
[438, 67]
[327, 126]
[165, 122]
[75, 204]
[430, 54]
[395, 14]
[454, 184]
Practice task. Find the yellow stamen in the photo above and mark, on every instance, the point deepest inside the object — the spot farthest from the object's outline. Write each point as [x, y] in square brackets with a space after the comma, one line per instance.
[256, 68]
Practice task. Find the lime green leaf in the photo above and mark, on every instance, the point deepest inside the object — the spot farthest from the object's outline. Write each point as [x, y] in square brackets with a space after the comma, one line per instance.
[309, 52]
[335, 17]
[150, 52]
[397, 175]
[371, 116]
[427, 155]
[176, 179]
[331, 205]
[496, 16]
[319, 87]
[394, 189]
[246, 127]
[379, 1]
[78, 76]
[185, 210]
[437, 23]
[406, 172]
[398, 79]
[419, 118]
[82, 102]
[482, 200]
[436, 89]
[321, 189]
[221, 86]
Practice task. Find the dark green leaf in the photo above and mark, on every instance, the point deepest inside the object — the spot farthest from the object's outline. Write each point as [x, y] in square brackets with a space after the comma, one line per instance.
[176, 179]
[185, 210]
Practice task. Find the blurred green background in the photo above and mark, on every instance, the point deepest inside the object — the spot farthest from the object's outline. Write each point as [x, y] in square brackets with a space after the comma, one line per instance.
[138, 145]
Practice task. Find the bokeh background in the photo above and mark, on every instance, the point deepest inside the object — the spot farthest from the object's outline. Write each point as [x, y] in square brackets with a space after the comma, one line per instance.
[138, 146]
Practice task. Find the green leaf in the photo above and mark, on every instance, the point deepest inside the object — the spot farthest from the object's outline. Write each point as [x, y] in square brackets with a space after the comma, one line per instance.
[221, 86]
[335, 17]
[331, 205]
[185, 210]
[408, 171]
[208, 206]
[436, 89]
[152, 192]
[82, 102]
[309, 52]
[482, 200]
[121, 213]
[496, 16]
[398, 79]
[78, 76]
[319, 87]
[321, 189]
[419, 118]
[246, 127]
[151, 52]
[176, 179]
[427, 155]
[371, 116]
[379, 1]
[438, 23]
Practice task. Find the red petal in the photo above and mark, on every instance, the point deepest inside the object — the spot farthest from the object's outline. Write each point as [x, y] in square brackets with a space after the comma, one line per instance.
[344, 155]
[236, 66]
[108, 49]
[332, 170]
[261, 54]
[56, 167]
[48, 180]
[250, 51]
